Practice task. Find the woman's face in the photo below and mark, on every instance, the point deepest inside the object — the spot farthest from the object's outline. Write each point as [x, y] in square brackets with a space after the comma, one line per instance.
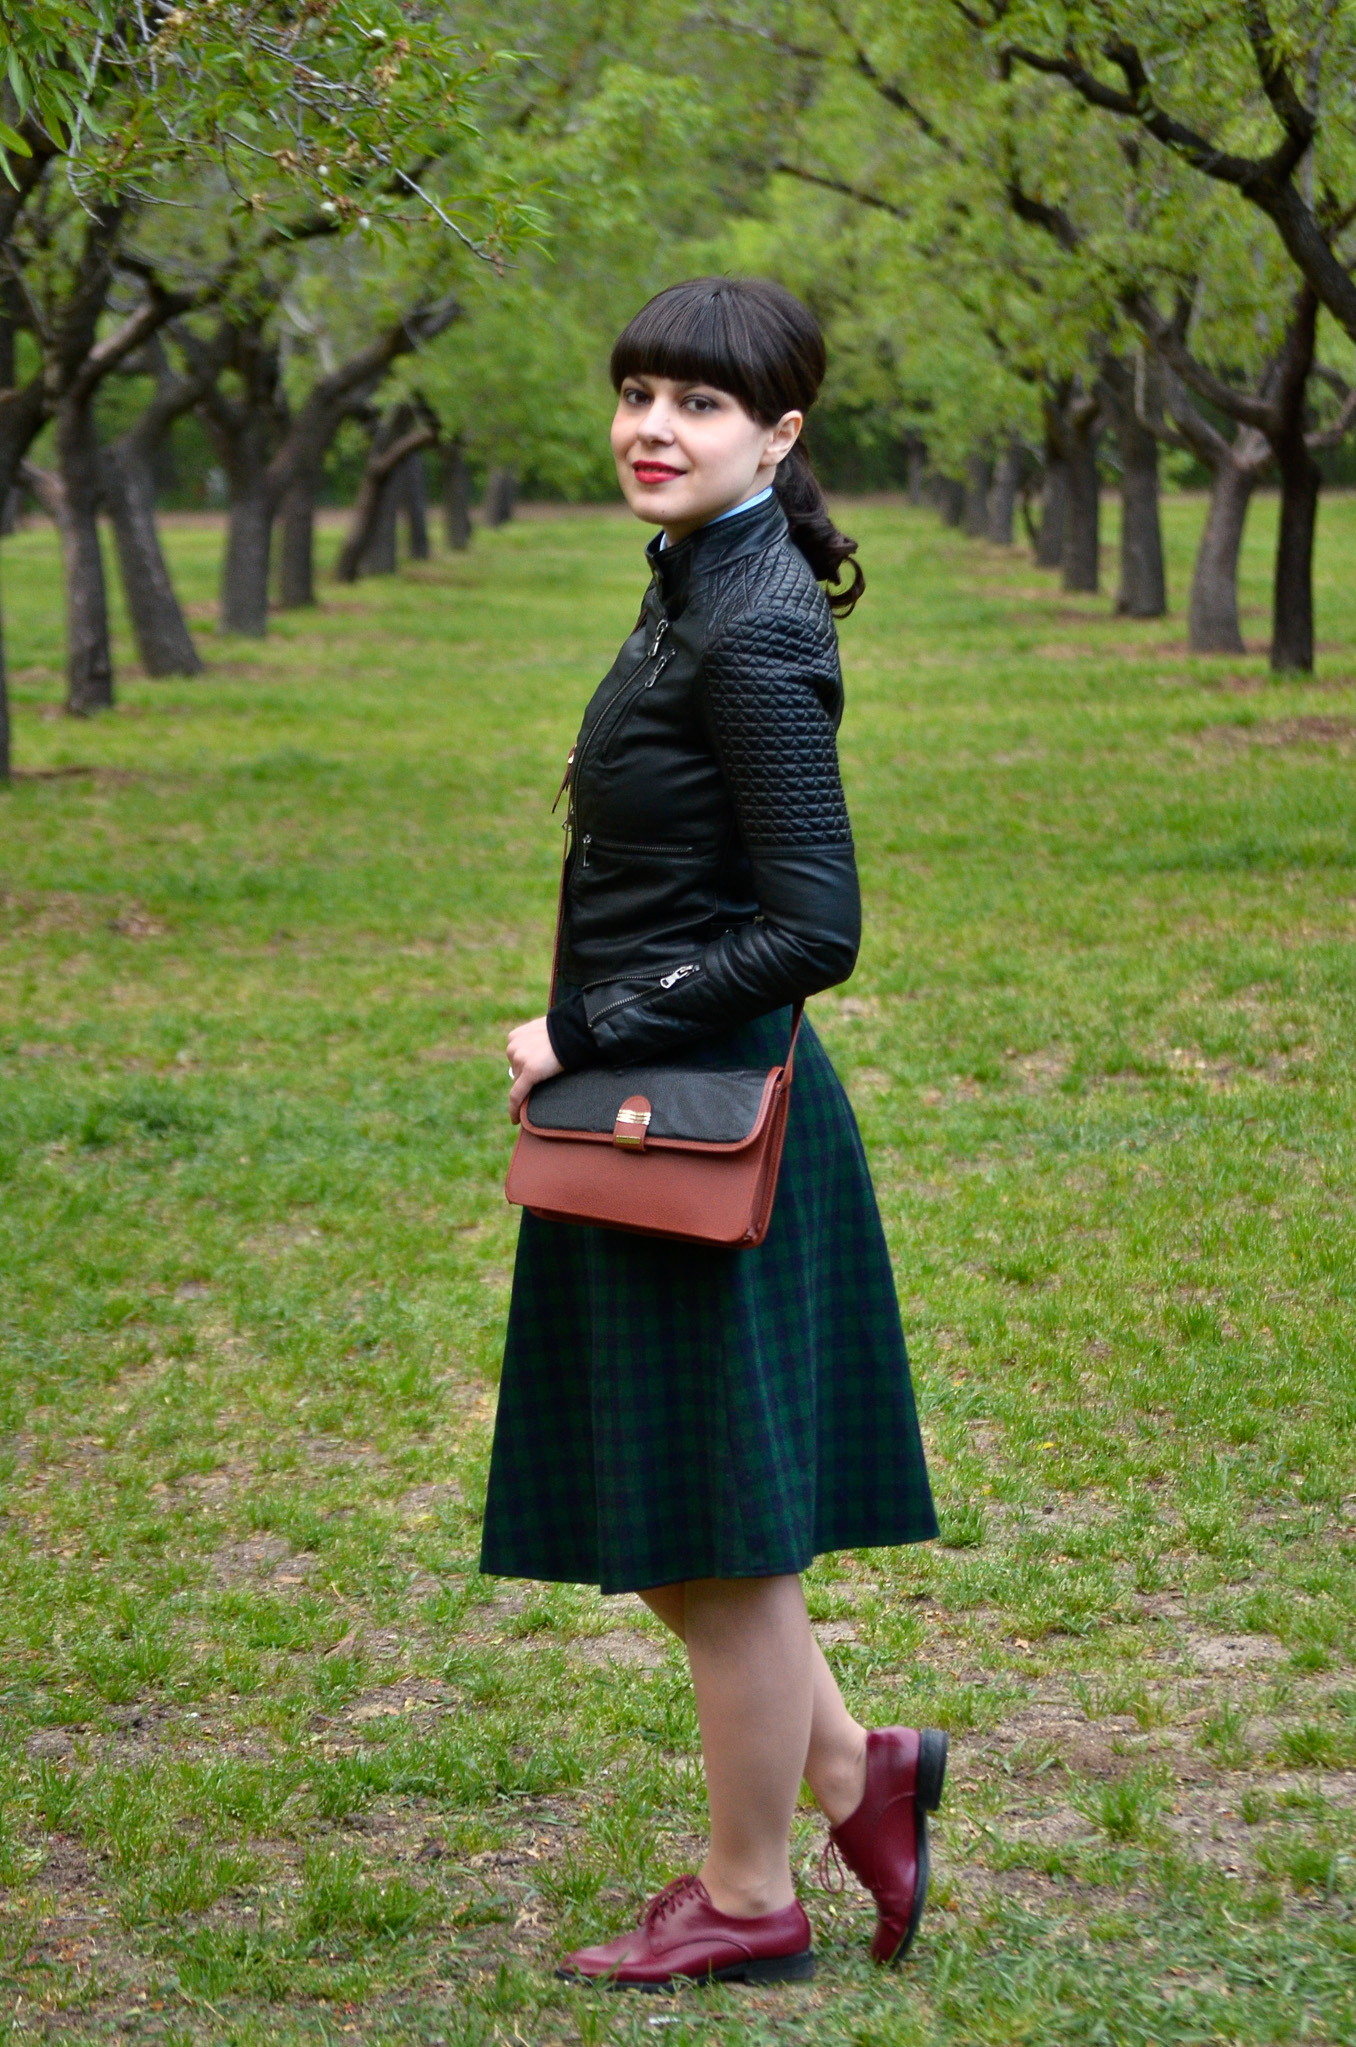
[685, 452]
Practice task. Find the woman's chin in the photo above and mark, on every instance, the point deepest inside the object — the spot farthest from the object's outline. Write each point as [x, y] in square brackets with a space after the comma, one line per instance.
[656, 503]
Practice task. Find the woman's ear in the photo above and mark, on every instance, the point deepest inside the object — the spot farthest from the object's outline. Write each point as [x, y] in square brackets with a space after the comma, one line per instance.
[785, 435]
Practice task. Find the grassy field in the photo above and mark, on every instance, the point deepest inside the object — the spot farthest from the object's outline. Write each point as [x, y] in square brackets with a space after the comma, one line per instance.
[276, 1764]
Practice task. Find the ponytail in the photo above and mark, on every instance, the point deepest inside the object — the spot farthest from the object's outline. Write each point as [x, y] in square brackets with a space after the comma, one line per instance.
[812, 529]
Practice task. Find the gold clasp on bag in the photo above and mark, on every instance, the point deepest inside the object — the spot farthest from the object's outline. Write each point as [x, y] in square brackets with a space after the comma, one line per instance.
[633, 1120]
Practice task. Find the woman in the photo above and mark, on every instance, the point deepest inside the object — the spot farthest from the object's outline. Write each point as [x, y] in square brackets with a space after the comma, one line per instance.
[696, 1425]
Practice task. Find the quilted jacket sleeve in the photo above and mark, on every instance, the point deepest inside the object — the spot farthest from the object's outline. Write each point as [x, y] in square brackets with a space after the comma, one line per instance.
[771, 692]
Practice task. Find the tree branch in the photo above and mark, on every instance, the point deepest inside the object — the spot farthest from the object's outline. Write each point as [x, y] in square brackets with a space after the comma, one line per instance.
[862, 197]
[1138, 104]
[1246, 407]
[1037, 213]
[316, 419]
[1299, 121]
[1267, 182]
[135, 331]
[893, 95]
[1334, 435]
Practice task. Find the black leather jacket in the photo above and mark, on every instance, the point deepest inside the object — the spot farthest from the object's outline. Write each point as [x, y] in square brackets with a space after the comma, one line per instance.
[711, 875]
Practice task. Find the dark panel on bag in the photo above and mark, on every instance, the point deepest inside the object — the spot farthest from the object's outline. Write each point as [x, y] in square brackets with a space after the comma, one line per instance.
[702, 1107]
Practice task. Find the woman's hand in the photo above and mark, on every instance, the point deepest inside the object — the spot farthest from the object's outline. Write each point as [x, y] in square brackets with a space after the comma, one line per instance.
[530, 1060]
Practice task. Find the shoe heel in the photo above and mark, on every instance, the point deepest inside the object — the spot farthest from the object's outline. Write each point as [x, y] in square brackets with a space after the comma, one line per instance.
[772, 1969]
[932, 1748]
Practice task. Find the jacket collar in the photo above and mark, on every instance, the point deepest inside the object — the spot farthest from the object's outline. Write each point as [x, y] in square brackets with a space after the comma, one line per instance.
[711, 547]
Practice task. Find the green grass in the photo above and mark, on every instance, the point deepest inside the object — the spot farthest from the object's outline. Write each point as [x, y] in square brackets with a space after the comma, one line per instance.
[275, 1763]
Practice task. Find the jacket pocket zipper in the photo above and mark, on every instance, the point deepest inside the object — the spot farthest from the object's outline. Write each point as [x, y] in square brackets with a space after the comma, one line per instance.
[634, 845]
[665, 981]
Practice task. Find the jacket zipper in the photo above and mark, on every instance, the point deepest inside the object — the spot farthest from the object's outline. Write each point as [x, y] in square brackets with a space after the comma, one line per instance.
[639, 845]
[577, 759]
[665, 981]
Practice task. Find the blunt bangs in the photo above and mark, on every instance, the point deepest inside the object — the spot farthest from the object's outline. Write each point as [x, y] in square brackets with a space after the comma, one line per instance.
[746, 338]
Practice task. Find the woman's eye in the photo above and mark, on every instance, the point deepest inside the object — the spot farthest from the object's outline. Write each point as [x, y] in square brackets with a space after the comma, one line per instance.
[635, 396]
[699, 404]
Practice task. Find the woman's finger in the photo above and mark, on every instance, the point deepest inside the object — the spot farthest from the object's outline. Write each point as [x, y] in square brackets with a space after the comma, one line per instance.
[518, 1094]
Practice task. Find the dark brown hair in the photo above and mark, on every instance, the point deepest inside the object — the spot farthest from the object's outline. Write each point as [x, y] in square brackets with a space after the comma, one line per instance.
[754, 339]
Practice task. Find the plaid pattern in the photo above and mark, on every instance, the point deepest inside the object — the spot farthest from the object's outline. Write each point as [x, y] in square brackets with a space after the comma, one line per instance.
[669, 1412]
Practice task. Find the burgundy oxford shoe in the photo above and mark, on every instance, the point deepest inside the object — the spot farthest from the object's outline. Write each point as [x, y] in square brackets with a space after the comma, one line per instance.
[682, 1934]
[885, 1841]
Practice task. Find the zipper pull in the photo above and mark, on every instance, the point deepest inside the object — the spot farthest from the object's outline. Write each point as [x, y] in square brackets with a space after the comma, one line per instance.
[586, 842]
[678, 974]
[660, 629]
[659, 670]
[564, 781]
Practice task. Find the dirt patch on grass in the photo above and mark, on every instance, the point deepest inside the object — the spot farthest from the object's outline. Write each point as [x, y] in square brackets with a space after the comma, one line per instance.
[619, 1645]
[1313, 729]
[262, 1558]
[134, 922]
[1038, 1071]
[1233, 1652]
[1255, 685]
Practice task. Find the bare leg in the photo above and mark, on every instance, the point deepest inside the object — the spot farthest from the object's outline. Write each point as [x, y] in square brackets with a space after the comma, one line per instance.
[748, 1645]
[668, 1601]
[835, 1762]
[835, 1767]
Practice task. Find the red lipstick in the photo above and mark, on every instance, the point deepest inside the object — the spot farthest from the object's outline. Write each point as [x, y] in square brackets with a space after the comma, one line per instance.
[654, 472]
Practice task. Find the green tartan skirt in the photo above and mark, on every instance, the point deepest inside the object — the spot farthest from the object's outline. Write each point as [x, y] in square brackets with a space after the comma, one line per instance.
[667, 1411]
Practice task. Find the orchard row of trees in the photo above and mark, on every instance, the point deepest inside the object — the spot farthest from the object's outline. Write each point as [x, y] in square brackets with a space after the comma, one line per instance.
[1040, 237]
[1123, 225]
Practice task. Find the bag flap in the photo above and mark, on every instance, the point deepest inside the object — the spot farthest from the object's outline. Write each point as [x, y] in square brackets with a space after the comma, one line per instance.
[687, 1105]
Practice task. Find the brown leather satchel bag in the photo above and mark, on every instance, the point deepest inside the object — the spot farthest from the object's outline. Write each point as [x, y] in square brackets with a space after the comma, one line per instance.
[667, 1151]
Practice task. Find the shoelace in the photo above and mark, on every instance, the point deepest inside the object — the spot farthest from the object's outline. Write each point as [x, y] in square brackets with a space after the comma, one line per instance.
[830, 1870]
[666, 1900]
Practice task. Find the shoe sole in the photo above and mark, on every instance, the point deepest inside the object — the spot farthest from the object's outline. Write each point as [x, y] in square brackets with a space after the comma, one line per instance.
[771, 1969]
[931, 1776]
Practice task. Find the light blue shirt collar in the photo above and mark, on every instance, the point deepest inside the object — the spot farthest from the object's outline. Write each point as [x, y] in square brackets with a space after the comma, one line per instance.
[747, 506]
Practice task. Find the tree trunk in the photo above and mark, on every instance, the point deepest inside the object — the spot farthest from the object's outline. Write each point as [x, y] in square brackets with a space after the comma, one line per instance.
[1082, 529]
[456, 497]
[414, 496]
[244, 570]
[1292, 621]
[1054, 507]
[385, 472]
[915, 468]
[369, 547]
[4, 708]
[978, 477]
[296, 563]
[379, 557]
[22, 410]
[163, 639]
[1213, 616]
[1007, 482]
[1292, 617]
[89, 656]
[1143, 592]
[948, 494]
[501, 495]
